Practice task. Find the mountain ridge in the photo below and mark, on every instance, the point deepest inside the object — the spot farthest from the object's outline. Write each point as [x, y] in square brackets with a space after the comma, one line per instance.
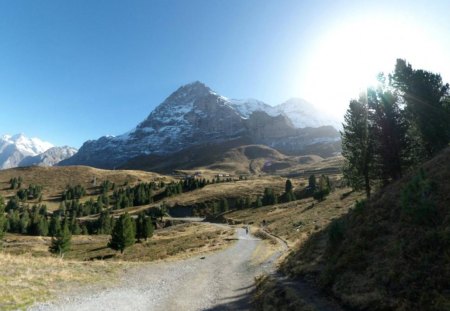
[19, 150]
[195, 115]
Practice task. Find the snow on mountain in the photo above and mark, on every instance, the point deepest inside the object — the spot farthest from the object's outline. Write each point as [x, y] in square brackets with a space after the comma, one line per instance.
[28, 146]
[304, 114]
[18, 149]
[50, 157]
[246, 107]
[194, 115]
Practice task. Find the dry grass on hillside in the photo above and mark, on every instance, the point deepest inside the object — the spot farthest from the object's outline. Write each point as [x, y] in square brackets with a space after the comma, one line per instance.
[391, 253]
[55, 180]
[215, 192]
[296, 221]
[170, 243]
[25, 279]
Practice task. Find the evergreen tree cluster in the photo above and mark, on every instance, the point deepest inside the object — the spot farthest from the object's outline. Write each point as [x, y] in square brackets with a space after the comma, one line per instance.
[31, 193]
[15, 183]
[395, 126]
[3, 223]
[73, 193]
[140, 194]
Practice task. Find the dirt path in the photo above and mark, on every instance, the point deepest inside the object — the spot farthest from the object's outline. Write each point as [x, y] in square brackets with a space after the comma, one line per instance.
[219, 281]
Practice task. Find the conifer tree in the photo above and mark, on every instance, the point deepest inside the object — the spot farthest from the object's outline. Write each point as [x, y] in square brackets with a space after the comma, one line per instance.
[357, 146]
[123, 234]
[389, 131]
[312, 182]
[427, 107]
[61, 243]
[147, 228]
[288, 186]
[2, 217]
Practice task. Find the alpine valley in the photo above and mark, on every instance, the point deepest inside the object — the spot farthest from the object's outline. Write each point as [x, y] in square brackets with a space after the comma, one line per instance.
[194, 116]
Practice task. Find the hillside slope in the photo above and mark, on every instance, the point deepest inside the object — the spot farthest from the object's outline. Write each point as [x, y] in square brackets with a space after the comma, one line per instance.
[391, 253]
[55, 180]
[235, 157]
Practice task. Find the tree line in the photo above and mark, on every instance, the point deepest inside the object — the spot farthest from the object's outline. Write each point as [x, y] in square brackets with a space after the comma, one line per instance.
[394, 127]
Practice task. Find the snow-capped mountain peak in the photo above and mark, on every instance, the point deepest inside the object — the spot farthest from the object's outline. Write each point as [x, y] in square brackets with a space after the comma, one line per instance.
[28, 146]
[15, 150]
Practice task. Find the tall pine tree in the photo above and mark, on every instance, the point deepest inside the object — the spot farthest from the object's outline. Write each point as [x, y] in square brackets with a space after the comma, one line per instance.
[427, 106]
[61, 243]
[2, 217]
[389, 132]
[123, 234]
[357, 146]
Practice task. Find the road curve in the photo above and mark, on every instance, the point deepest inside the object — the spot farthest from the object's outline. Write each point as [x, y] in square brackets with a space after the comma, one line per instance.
[219, 281]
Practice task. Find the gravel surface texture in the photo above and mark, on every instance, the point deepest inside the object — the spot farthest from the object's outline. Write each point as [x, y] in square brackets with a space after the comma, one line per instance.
[216, 281]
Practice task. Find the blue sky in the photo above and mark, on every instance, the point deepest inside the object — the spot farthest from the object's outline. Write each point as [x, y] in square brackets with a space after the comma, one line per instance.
[76, 70]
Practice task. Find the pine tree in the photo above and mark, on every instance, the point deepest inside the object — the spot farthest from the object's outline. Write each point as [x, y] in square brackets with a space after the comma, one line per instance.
[148, 228]
[61, 243]
[2, 217]
[427, 108]
[123, 234]
[389, 131]
[312, 182]
[357, 146]
[288, 187]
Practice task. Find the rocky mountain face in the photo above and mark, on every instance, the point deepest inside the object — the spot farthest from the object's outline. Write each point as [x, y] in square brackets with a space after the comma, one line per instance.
[19, 150]
[50, 157]
[195, 115]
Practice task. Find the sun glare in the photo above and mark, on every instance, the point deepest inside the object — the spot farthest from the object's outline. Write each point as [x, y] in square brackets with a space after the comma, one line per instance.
[347, 59]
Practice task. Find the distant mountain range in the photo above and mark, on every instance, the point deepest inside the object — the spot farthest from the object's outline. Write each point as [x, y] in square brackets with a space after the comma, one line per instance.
[19, 150]
[194, 115]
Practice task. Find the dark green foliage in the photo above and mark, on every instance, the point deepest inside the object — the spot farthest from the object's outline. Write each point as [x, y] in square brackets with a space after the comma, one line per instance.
[3, 222]
[224, 205]
[389, 131]
[269, 197]
[312, 182]
[105, 223]
[61, 243]
[33, 192]
[140, 194]
[288, 194]
[417, 201]
[323, 189]
[15, 183]
[38, 224]
[13, 204]
[357, 146]
[123, 234]
[258, 202]
[55, 225]
[73, 193]
[427, 108]
[144, 227]
[288, 186]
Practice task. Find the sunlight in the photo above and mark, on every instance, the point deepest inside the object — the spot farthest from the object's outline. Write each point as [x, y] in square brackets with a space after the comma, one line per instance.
[347, 59]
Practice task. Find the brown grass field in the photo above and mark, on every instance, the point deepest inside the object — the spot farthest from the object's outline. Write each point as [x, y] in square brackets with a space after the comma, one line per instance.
[55, 180]
[29, 272]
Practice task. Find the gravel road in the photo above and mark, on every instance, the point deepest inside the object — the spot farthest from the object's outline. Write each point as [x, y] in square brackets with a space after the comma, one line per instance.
[219, 281]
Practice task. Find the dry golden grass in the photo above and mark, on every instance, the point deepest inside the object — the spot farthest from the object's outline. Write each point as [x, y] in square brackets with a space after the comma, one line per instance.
[29, 273]
[25, 279]
[296, 221]
[55, 180]
[171, 243]
[215, 192]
